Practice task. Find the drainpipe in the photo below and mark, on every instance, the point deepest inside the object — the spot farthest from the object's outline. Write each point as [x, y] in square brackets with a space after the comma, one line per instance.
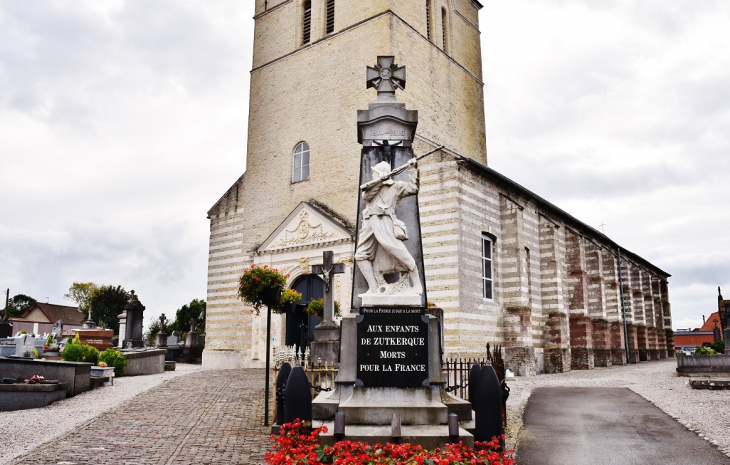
[623, 307]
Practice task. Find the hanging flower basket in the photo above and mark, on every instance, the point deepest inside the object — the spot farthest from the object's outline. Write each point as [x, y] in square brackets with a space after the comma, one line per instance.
[316, 307]
[261, 286]
[289, 299]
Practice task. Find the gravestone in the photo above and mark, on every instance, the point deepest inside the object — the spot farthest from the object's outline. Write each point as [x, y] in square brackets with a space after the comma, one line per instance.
[134, 320]
[24, 345]
[57, 329]
[326, 343]
[122, 329]
[390, 361]
[161, 337]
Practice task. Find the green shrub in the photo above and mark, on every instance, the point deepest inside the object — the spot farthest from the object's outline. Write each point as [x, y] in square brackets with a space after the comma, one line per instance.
[80, 353]
[718, 346]
[699, 350]
[114, 358]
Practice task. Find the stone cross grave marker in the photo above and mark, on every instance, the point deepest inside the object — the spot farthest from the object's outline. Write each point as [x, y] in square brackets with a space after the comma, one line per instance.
[327, 270]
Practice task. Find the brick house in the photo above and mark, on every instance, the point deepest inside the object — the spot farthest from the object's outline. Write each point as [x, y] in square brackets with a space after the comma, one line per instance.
[40, 317]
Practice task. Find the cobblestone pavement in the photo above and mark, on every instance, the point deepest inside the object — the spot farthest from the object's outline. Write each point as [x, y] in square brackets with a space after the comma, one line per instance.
[208, 417]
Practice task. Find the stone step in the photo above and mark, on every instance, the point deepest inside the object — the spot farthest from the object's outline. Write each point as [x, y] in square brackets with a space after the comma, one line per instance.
[427, 436]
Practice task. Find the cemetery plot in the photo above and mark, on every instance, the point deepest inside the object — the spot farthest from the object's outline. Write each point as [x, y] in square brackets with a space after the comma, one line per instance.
[392, 347]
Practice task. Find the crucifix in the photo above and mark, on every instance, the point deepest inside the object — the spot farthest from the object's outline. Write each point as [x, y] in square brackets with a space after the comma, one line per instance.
[327, 270]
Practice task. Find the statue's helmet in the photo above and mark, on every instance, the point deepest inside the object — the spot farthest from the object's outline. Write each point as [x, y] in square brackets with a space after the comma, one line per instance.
[381, 169]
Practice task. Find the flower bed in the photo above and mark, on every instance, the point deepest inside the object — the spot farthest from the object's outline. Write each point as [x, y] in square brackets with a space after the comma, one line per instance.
[299, 444]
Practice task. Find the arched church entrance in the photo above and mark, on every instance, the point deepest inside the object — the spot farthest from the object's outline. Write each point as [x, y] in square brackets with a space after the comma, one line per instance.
[299, 325]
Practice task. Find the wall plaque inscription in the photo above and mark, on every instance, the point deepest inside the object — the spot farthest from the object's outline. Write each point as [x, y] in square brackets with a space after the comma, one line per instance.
[392, 347]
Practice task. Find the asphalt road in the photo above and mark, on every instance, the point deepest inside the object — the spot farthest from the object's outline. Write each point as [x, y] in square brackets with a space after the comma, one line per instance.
[597, 426]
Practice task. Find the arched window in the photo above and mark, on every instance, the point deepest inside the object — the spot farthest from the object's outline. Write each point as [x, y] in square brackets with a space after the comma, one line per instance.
[307, 22]
[300, 167]
[443, 28]
[487, 277]
[330, 16]
[428, 19]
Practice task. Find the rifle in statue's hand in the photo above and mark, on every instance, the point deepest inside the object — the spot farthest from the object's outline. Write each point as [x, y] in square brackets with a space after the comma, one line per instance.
[398, 170]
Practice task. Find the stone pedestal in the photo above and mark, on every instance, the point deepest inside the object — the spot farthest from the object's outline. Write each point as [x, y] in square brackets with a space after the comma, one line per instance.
[161, 340]
[369, 410]
[326, 344]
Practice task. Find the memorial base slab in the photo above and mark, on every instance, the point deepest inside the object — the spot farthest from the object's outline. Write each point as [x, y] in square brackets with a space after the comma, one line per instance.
[376, 406]
[427, 436]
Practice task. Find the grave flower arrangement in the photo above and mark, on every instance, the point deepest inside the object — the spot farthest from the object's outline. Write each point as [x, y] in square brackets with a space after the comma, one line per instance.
[256, 282]
[316, 307]
[298, 443]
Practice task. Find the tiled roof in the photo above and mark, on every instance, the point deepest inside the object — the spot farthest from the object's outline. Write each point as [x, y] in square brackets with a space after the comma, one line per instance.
[69, 315]
[710, 322]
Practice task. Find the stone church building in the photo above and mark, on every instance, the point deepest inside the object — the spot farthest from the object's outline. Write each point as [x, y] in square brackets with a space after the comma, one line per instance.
[505, 265]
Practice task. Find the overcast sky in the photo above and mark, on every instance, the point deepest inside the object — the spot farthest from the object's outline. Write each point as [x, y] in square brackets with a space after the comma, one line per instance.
[122, 123]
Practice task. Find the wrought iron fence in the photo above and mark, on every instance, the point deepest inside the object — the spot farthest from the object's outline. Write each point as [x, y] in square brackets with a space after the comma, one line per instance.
[321, 377]
[457, 375]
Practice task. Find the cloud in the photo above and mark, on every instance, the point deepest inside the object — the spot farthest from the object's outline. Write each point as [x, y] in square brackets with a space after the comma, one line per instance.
[121, 123]
[619, 113]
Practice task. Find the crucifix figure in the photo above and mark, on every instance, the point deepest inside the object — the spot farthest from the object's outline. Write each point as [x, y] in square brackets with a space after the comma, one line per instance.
[327, 270]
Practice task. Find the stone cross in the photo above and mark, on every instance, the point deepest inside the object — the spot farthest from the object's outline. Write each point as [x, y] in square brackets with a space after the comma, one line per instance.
[163, 323]
[386, 77]
[327, 270]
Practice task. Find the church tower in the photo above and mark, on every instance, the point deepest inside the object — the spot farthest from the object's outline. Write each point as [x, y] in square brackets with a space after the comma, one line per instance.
[298, 195]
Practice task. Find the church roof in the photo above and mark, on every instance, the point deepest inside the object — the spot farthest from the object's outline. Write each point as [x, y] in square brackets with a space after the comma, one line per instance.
[69, 315]
[229, 199]
[503, 180]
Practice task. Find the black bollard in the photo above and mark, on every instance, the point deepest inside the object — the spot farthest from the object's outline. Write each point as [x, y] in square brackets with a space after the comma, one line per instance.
[281, 379]
[297, 397]
[474, 373]
[488, 411]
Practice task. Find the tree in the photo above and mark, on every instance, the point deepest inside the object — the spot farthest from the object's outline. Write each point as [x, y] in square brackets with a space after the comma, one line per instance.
[81, 293]
[154, 328]
[194, 310]
[19, 304]
[106, 305]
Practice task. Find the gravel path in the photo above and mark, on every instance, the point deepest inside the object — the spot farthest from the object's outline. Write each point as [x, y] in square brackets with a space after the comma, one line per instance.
[705, 412]
[24, 430]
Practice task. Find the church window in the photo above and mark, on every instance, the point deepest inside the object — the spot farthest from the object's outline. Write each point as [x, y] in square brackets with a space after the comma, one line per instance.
[307, 23]
[443, 28]
[300, 171]
[330, 16]
[487, 278]
[428, 19]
